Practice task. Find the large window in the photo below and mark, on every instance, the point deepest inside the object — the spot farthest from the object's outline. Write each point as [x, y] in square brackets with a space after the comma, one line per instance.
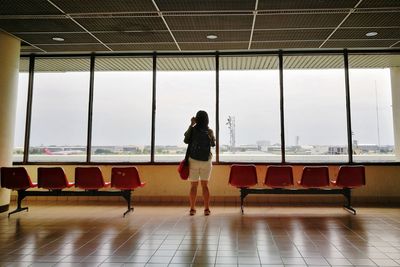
[371, 107]
[126, 94]
[20, 119]
[181, 92]
[249, 109]
[315, 109]
[59, 109]
[122, 110]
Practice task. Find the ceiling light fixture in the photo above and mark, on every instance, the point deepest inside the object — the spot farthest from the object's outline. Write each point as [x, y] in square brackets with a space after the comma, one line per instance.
[212, 36]
[371, 34]
[58, 39]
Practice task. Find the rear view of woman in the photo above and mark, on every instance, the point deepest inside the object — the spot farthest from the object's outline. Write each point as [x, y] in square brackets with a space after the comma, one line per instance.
[200, 139]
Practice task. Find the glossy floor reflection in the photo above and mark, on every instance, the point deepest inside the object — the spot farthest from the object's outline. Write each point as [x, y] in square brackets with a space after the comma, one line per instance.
[89, 235]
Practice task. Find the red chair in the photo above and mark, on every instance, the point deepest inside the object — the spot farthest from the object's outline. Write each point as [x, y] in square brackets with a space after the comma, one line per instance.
[314, 177]
[89, 178]
[16, 178]
[243, 176]
[279, 176]
[350, 177]
[125, 178]
[52, 178]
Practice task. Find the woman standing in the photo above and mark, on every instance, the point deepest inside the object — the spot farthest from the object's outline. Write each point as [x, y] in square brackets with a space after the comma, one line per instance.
[200, 139]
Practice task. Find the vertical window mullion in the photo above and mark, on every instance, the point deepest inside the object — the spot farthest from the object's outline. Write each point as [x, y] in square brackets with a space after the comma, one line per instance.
[153, 109]
[348, 108]
[90, 110]
[29, 109]
[282, 114]
[217, 107]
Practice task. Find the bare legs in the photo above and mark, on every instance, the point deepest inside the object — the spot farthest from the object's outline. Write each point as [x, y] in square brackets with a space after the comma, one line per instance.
[206, 194]
[193, 195]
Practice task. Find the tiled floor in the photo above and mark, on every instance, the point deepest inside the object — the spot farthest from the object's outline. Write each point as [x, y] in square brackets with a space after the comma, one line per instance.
[88, 235]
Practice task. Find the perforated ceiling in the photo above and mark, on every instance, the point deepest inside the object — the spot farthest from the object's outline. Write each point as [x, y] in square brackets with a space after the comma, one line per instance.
[183, 25]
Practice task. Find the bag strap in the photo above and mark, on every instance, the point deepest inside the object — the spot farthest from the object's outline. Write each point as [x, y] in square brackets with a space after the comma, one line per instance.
[187, 149]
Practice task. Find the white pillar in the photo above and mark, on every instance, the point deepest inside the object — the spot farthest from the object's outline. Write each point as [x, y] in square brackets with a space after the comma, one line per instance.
[9, 69]
[395, 78]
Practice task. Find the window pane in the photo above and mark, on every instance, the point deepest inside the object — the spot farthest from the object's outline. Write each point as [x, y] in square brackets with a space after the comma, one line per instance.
[371, 106]
[315, 109]
[249, 109]
[184, 86]
[59, 109]
[122, 110]
[20, 119]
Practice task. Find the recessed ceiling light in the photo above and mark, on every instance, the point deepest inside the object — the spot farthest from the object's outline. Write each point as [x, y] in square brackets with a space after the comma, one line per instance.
[58, 39]
[371, 34]
[212, 36]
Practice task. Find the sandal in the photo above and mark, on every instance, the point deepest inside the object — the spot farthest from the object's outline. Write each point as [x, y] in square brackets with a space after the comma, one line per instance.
[207, 212]
[192, 212]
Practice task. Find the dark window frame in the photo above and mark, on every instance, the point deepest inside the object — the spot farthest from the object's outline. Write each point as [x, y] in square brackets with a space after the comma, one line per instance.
[279, 53]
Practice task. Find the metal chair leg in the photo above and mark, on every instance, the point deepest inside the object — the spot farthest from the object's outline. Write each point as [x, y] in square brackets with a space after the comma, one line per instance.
[21, 196]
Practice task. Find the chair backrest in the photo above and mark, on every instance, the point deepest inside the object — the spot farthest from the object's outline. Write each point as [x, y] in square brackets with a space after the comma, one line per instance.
[279, 176]
[125, 178]
[15, 178]
[351, 176]
[89, 178]
[52, 178]
[315, 177]
[243, 176]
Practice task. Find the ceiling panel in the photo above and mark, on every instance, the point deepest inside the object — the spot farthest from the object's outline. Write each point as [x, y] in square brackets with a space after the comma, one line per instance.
[374, 19]
[90, 6]
[39, 25]
[123, 24]
[351, 33]
[374, 61]
[135, 37]
[379, 3]
[27, 7]
[214, 46]
[73, 48]
[301, 4]
[358, 43]
[279, 21]
[185, 63]
[313, 62]
[144, 47]
[205, 5]
[211, 22]
[248, 63]
[124, 64]
[287, 44]
[46, 38]
[304, 34]
[62, 64]
[201, 36]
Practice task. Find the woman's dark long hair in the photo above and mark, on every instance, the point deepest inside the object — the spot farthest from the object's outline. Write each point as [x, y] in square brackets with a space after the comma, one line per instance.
[202, 119]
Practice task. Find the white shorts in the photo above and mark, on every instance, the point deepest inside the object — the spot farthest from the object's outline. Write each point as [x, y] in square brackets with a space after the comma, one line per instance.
[199, 170]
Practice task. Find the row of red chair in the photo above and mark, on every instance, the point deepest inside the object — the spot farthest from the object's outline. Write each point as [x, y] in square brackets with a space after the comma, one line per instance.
[245, 176]
[54, 178]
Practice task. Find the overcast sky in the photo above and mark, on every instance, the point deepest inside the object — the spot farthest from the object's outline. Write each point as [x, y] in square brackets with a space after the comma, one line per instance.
[314, 106]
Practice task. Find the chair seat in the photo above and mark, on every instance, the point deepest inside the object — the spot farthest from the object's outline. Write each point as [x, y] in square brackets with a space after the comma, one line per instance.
[16, 178]
[89, 178]
[125, 178]
[350, 177]
[52, 178]
[314, 177]
[243, 176]
[279, 176]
